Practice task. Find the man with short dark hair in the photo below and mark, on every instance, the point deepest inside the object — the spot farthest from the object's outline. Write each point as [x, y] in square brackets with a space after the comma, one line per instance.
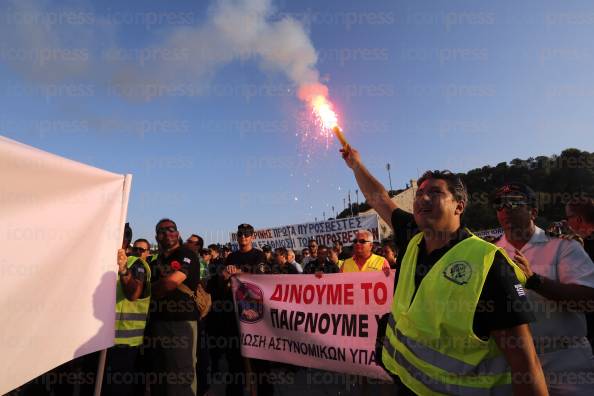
[560, 285]
[304, 255]
[226, 251]
[340, 250]
[267, 250]
[434, 349]
[173, 322]
[141, 248]
[195, 242]
[389, 252]
[281, 263]
[321, 264]
[313, 253]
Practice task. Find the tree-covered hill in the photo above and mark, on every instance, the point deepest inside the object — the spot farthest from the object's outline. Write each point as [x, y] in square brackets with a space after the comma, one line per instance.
[555, 179]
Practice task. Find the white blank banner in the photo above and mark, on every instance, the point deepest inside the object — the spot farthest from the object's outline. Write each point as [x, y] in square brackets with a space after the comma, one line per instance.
[61, 223]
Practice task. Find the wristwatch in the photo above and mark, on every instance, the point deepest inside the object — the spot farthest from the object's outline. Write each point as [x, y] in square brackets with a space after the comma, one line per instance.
[534, 282]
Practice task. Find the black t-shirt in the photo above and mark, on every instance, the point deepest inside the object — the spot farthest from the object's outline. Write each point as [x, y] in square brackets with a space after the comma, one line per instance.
[222, 321]
[176, 305]
[137, 270]
[253, 261]
[502, 303]
[345, 254]
[288, 268]
[327, 267]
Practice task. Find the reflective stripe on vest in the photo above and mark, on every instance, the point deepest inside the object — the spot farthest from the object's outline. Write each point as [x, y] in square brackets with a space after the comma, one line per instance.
[131, 316]
[439, 387]
[373, 263]
[129, 333]
[430, 343]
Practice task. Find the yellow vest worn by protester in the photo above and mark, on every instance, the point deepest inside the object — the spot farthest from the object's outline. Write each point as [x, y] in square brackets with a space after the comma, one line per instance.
[131, 315]
[430, 343]
[373, 263]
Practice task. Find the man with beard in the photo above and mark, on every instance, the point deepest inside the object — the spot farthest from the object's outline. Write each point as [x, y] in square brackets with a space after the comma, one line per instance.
[173, 320]
[439, 340]
[560, 286]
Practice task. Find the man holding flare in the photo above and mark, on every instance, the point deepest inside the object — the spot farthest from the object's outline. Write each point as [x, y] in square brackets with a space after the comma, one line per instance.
[451, 330]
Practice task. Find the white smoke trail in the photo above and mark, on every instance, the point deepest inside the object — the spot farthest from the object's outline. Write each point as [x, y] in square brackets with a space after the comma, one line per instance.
[234, 30]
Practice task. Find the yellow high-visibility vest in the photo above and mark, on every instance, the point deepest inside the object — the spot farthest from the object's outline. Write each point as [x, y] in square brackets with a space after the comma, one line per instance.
[131, 315]
[373, 263]
[430, 343]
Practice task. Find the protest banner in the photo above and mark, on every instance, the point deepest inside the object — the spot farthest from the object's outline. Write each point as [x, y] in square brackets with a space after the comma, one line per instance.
[296, 236]
[61, 223]
[328, 323]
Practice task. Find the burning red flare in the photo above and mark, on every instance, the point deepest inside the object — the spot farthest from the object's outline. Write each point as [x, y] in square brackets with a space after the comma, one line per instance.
[323, 111]
[316, 95]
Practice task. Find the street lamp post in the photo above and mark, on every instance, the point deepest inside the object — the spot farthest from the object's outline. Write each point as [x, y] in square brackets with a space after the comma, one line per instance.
[350, 204]
[389, 175]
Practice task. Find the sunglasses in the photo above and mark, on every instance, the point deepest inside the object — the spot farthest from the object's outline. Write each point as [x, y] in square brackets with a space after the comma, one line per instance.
[163, 230]
[361, 241]
[139, 249]
[508, 205]
[244, 234]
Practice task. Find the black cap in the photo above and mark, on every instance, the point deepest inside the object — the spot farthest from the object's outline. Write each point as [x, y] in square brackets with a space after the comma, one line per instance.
[514, 192]
[266, 248]
[245, 229]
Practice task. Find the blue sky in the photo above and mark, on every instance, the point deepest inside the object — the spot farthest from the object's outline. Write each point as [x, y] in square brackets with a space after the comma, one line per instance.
[419, 84]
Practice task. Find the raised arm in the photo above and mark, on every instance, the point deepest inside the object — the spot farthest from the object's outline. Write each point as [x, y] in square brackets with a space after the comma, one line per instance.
[375, 193]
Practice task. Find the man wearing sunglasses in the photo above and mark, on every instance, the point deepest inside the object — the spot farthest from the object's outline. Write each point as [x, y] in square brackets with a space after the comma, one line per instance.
[560, 287]
[363, 259]
[141, 249]
[450, 330]
[173, 321]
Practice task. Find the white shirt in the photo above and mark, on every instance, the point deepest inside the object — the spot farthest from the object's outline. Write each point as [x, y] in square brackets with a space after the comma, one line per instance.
[560, 335]
[566, 262]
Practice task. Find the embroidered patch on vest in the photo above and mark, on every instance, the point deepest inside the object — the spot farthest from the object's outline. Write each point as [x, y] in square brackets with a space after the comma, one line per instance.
[458, 272]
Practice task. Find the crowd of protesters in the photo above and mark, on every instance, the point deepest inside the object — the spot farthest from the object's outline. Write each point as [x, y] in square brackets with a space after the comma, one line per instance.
[165, 345]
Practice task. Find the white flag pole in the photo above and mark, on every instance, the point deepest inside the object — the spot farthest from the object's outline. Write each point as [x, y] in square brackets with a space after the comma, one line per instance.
[124, 215]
